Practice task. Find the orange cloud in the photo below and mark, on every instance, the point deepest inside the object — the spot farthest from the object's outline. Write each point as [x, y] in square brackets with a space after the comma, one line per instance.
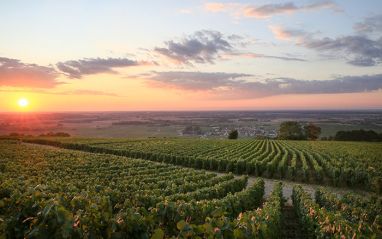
[286, 34]
[221, 7]
[73, 92]
[17, 74]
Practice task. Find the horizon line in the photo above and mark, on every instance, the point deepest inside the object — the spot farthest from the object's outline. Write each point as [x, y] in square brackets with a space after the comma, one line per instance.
[193, 110]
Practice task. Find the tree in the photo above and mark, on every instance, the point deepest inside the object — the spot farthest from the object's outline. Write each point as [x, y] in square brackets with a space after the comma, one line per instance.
[233, 134]
[312, 132]
[358, 135]
[291, 130]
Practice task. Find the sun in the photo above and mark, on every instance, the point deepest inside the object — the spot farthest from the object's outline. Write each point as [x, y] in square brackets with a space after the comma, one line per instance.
[23, 102]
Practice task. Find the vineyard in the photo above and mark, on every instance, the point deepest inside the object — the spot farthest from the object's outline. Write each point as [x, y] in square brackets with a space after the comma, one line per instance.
[334, 163]
[151, 188]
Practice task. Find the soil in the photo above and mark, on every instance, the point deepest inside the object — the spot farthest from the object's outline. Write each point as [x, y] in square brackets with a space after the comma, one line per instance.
[290, 227]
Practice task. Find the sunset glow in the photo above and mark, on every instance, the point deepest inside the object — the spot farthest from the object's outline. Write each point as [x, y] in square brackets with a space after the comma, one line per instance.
[23, 102]
[323, 54]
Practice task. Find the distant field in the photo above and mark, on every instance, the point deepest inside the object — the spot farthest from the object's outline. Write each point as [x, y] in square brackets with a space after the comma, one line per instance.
[171, 124]
[136, 131]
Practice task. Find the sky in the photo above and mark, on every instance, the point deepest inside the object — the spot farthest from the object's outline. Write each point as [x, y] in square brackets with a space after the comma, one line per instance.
[190, 55]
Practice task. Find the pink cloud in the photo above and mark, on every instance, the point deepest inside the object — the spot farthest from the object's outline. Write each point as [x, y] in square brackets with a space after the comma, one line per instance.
[221, 7]
[266, 10]
[73, 92]
[17, 74]
[286, 34]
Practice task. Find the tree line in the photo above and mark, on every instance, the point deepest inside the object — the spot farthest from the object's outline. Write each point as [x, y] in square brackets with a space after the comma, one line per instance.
[358, 135]
[50, 134]
[292, 130]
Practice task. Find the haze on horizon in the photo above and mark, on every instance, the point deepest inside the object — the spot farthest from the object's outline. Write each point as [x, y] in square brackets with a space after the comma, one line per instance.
[190, 55]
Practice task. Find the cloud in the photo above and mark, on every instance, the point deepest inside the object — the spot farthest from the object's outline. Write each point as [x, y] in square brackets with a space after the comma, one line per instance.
[87, 92]
[364, 51]
[17, 74]
[74, 92]
[370, 24]
[286, 34]
[345, 84]
[338, 10]
[191, 81]
[359, 50]
[236, 86]
[184, 11]
[207, 46]
[201, 47]
[77, 69]
[221, 7]
[254, 55]
[268, 9]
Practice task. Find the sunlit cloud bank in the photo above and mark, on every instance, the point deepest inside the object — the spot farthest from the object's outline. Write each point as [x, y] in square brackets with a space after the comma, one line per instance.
[18, 77]
[73, 92]
[242, 86]
[15, 73]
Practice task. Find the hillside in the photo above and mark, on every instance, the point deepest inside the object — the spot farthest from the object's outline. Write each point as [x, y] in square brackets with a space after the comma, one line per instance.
[354, 164]
[116, 190]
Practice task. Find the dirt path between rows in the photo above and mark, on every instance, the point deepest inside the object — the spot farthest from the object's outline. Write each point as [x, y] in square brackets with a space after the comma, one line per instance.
[287, 189]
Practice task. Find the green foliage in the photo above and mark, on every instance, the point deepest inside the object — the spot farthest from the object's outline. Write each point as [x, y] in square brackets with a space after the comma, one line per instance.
[51, 193]
[319, 222]
[356, 164]
[352, 207]
[54, 193]
[234, 134]
[358, 135]
[262, 222]
[290, 130]
[59, 134]
[312, 132]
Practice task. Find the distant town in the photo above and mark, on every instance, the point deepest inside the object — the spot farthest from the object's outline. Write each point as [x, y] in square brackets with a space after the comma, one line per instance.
[223, 131]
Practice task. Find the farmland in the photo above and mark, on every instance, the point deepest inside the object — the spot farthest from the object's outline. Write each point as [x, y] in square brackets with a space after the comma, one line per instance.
[158, 188]
[213, 124]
